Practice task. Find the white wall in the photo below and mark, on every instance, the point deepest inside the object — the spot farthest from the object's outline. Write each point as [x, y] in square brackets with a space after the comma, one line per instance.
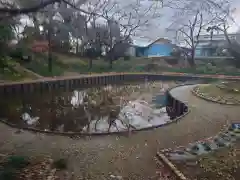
[216, 37]
[131, 51]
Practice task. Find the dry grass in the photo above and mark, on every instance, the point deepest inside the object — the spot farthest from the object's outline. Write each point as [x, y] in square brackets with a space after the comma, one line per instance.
[69, 59]
[213, 91]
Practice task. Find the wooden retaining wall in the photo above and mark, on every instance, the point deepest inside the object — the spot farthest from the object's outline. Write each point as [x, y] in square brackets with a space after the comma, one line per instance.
[68, 83]
[174, 107]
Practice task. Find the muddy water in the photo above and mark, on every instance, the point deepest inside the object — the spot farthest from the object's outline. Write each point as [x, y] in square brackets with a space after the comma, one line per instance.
[72, 111]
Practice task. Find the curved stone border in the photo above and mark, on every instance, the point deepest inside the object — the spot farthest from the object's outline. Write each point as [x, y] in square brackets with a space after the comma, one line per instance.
[161, 157]
[194, 92]
[233, 133]
[177, 118]
[166, 161]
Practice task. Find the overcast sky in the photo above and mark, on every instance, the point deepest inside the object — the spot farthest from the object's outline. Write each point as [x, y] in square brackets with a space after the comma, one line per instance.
[161, 24]
[157, 27]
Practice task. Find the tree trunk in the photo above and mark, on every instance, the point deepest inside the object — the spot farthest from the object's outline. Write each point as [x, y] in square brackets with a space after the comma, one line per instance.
[77, 47]
[36, 27]
[49, 51]
[191, 58]
[90, 63]
[110, 63]
[111, 58]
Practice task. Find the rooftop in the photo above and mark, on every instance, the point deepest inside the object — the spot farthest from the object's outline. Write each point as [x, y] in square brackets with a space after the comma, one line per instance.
[143, 43]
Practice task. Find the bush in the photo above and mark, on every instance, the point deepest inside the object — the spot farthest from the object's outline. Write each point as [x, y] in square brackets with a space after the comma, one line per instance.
[176, 54]
[21, 55]
[126, 58]
[12, 166]
[17, 162]
[8, 174]
[151, 67]
[172, 60]
[60, 164]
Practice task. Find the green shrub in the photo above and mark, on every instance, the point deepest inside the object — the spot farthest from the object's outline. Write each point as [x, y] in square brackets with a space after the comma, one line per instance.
[60, 164]
[172, 60]
[8, 174]
[126, 58]
[12, 166]
[20, 54]
[151, 67]
[17, 162]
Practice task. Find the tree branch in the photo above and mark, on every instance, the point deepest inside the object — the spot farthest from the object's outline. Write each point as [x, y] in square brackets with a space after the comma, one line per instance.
[199, 30]
[17, 11]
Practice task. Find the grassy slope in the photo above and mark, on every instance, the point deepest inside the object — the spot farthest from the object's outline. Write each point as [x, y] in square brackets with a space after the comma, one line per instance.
[64, 64]
[14, 72]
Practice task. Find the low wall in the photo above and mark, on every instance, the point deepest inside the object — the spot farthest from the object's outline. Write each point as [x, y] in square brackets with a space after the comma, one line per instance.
[68, 83]
[174, 107]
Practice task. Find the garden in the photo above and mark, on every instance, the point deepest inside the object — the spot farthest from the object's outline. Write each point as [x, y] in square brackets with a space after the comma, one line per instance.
[221, 92]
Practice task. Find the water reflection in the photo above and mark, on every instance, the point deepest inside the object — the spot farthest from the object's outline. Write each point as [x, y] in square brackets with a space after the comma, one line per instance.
[108, 108]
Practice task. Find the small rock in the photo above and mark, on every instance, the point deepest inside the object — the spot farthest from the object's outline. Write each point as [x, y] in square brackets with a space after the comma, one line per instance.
[191, 163]
[18, 131]
[116, 177]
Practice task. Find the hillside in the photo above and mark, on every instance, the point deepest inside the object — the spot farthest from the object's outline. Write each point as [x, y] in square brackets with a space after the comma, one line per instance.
[72, 65]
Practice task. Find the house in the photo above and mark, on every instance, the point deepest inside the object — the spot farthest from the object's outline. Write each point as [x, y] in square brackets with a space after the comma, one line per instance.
[158, 48]
[208, 46]
[131, 51]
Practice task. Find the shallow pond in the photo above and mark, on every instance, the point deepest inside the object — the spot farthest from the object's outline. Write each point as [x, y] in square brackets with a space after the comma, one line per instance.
[74, 111]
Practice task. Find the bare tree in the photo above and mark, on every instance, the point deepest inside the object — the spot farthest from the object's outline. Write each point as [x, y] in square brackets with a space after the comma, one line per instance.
[191, 32]
[123, 21]
[192, 18]
[232, 44]
[10, 9]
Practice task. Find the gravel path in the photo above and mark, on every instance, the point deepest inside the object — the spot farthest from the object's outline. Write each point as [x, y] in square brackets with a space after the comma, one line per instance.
[129, 157]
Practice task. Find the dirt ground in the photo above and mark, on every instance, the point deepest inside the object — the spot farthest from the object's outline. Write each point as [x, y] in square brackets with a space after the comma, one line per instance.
[130, 157]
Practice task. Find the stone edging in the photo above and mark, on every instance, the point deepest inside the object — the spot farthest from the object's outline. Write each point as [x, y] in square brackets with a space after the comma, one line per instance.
[97, 134]
[194, 92]
[160, 155]
[194, 142]
[166, 161]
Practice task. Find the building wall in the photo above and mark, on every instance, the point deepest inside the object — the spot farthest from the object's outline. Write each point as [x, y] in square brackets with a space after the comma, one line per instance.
[202, 50]
[156, 50]
[131, 51]
[198, 52]
[217, 37]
